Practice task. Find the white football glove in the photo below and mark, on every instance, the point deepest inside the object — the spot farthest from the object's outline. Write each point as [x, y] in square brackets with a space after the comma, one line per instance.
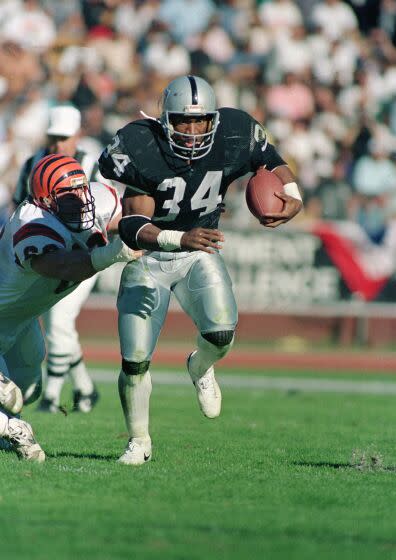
[113, 252]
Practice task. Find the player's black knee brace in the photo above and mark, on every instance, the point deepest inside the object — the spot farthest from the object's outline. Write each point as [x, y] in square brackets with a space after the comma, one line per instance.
[219, 338]
[135, 368]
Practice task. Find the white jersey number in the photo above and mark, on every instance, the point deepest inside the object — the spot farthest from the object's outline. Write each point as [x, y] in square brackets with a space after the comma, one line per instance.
[172, 205]
[120, 160]
[206, 196]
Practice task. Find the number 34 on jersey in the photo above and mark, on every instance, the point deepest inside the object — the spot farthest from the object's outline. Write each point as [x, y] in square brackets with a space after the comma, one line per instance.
[206, 198]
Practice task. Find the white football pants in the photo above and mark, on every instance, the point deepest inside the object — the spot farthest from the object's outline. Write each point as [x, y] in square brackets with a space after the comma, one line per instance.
[22, 362]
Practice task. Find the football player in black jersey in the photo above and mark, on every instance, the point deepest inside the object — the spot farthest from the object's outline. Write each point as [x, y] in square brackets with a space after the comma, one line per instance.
[177, 170]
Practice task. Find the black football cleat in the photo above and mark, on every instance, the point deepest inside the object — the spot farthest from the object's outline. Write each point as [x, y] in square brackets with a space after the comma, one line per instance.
[48, 405]
[84, 403]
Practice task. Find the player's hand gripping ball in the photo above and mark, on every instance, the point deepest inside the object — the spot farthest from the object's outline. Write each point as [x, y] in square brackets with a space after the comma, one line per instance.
[260, 195]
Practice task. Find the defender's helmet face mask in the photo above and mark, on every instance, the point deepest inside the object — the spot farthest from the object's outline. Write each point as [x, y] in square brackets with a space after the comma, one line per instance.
[189, 98]
[59, 185]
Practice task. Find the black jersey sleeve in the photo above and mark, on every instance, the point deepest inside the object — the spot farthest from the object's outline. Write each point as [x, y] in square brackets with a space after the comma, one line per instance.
[247, 142]
[262, 152]
[117, 162]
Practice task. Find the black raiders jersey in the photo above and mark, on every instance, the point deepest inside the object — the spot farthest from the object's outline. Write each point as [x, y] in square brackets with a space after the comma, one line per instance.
[187, 194]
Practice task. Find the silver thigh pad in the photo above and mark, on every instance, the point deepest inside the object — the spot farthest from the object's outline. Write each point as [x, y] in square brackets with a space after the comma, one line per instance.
[206, 295]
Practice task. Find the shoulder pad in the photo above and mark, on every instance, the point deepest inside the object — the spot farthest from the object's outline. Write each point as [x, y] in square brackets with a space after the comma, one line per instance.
[139, 134]
[235, 121]
[107, 200]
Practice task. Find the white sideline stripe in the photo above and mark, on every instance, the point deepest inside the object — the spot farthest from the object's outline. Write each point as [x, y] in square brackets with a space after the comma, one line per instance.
[281, 383]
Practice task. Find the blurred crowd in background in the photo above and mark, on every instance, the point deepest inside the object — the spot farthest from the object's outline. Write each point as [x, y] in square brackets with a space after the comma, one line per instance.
[319, 74]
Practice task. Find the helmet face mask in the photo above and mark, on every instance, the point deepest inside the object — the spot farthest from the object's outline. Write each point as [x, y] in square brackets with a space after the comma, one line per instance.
[189, 99]
[59, 185]
[75, 205]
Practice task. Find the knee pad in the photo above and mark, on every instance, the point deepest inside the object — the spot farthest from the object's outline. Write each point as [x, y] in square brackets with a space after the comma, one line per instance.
[135, 368]
[219, 338]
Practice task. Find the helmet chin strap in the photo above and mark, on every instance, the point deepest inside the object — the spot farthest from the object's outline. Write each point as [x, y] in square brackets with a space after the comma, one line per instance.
[148, 116]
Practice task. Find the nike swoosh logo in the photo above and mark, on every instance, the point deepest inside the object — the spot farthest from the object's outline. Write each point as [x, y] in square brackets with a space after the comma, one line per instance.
[147, 457]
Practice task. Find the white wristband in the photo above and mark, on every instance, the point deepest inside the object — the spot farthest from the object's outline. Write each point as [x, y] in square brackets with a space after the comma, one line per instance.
[115, 251]
[292, 190]
[169, 239]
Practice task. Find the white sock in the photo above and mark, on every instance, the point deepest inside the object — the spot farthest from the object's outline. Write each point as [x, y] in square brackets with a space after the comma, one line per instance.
[81, 379]
[53, 388]
[205, 356]
[135, 391]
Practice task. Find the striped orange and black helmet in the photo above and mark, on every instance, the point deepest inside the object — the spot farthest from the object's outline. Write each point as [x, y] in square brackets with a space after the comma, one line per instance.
[59, 185]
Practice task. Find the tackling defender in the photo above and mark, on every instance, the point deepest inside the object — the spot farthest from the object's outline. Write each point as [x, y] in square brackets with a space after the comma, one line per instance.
[177, 170]
[54, 240]
[64, 353]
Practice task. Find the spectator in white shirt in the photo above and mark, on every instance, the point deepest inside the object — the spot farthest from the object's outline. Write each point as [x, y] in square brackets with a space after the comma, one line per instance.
[335, 18]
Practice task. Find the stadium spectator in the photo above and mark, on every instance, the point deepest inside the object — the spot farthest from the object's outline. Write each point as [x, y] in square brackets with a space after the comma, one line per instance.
[293, 53]
[20, 68]
[335, 18]
[374, 173]
[185, 18]
[280, 16]
[387, 18]
[39, 267]
[312, 150]
[332, 198]
[161, 46]
[30, 27]
[374, 180]
[177, 170]
[292, 100]
[235, 18]
[134, 19]
[217, 43]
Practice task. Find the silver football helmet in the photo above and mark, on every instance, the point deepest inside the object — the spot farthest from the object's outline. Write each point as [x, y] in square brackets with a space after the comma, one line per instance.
[189, 96]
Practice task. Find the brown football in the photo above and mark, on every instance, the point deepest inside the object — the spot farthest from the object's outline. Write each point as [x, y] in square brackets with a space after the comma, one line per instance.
[260, 196]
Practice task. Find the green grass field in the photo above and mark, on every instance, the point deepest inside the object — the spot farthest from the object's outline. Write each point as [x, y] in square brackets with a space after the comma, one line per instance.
[281, 474]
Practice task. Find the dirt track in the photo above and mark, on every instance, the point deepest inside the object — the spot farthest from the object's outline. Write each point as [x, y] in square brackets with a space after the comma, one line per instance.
[319, 362]
[99, 326]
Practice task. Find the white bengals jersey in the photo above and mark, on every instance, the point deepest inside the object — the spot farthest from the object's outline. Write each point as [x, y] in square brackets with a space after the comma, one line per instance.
[24, 294]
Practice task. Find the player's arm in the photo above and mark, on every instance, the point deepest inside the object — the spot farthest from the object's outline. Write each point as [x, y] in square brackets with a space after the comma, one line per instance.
[138, 232]
[291, 197]
[78, 265]
[66, 265]
[264, 154]
[112, 226]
